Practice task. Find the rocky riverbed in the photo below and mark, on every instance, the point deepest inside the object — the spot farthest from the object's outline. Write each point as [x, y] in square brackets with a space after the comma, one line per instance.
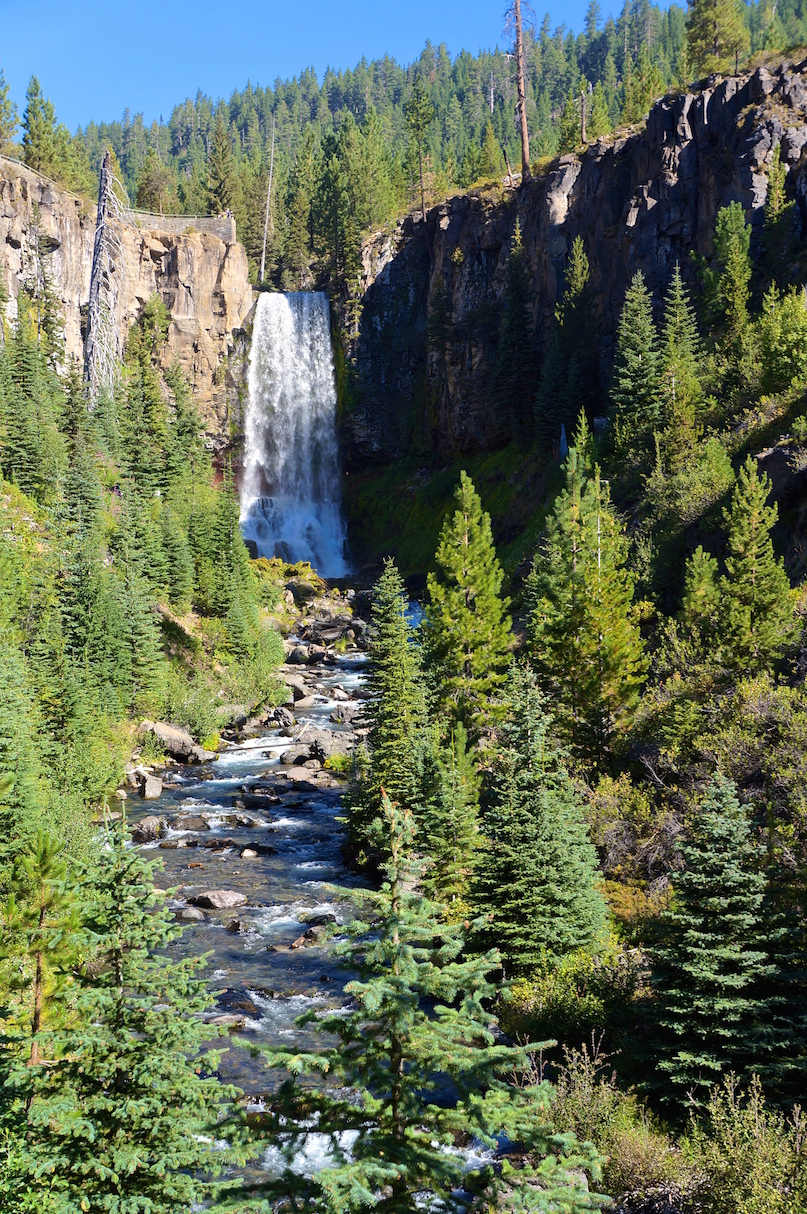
[251, 848]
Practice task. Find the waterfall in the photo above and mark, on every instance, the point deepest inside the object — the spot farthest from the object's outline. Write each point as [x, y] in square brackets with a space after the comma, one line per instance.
[290, 490]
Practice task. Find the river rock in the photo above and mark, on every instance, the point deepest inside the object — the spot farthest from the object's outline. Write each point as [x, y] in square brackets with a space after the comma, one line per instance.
[295, 754]
[191, 823]
[219, 843]
[152, 788]
[234, 926]
[303, 591]
[343, 714]
[318, 920]
[177, 742]
[298, 656]
[218, 899]
[191, 914]
[249, 853]
[148, 829]
[227, 1020]
[305, 703]
[312, 765]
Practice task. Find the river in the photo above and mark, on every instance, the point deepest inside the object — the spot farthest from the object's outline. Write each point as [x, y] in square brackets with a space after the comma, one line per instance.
[260, 982]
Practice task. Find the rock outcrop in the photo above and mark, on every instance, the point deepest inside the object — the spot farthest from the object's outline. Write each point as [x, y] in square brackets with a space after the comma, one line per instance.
[201, 276]
[642, 201]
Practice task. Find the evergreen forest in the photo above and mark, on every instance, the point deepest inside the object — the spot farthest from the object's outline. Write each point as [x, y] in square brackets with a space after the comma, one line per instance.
[572, 924]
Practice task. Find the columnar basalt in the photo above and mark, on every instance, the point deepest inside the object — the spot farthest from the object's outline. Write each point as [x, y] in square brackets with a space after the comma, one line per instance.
[642, 201]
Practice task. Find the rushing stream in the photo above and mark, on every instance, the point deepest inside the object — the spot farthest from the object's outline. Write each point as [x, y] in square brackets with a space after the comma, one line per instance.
[262, 984]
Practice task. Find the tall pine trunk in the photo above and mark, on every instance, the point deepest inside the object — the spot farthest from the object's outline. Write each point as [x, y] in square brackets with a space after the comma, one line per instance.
[526, 175]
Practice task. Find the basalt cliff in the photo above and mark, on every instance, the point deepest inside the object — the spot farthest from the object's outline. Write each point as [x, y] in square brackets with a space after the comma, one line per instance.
[641, 201]
[196, 267]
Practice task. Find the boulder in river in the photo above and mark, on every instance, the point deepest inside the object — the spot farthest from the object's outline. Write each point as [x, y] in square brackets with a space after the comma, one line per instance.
[177, 742]
[148, 829]
[218, 899]
[191, 914]
[191, 823]
[152, 788]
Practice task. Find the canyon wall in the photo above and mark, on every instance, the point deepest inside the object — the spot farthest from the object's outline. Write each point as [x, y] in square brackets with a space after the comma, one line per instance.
[201, 276]
[640, 201]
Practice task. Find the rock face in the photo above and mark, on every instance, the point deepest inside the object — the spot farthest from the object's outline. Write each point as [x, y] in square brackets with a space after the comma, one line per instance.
[433, 294]
[201, 276]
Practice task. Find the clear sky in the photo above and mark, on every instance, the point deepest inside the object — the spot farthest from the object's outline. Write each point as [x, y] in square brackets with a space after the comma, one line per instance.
[94, 57]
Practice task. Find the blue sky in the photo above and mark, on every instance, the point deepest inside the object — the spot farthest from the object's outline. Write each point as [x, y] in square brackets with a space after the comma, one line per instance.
[94, 57]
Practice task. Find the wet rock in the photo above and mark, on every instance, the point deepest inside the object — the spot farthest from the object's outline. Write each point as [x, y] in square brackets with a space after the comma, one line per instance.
[318, 920]
[191, 823]
[305, 703]
[344, 713]
[257, 800]
[219, 899]
[235, 926]
[196, 864]
[295, 754]
[249, 853]
[312, 765]
[298, 656]
[282, 716]
[219, 843]
[148, 829]
[151, 788]
[191, 914]
[228, 1021]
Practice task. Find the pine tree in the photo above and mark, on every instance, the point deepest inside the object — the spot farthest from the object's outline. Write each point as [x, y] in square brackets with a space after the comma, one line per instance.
[570, 123]
[124, 1115]
[8, 118]
[39, 130]
[537, 878]
[156, 186]
[513, 377]
[727, 281]
[419, 1017]
[38, 922]
[468, 628]
[716, 34]
[419, 113]
[221, 168]
[758, 611]
[681, 365]
[636, 386]
[585, 647]
[701, 601]
[451, 823]
[20, 764]
[569, 374]
[713, 954]
[396, 711]
[599, 120]
[491, 164]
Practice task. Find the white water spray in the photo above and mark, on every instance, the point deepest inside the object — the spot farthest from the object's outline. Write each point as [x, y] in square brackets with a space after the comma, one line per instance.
[290, 492]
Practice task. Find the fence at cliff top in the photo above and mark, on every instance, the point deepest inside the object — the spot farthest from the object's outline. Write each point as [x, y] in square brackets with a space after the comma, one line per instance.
[222, 226]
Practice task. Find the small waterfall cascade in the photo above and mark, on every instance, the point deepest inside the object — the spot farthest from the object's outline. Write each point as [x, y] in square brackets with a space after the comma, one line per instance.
[290, 490]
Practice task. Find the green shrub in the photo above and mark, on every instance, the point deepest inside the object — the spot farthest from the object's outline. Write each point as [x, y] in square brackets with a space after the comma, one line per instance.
[783, 338]
[749, 1159]
[568, 1000]
[339, 764]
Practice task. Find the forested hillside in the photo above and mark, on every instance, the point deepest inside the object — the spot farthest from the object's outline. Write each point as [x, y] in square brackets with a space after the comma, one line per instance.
[346, 150]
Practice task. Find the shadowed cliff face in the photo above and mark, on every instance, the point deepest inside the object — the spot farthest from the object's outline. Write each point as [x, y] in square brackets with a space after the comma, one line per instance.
[201, 278]
[433, 294]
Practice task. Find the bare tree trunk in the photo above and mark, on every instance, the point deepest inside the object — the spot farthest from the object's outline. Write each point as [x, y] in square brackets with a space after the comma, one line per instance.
[268, 198]
[583, 116]
[422, 186]
[526, 175]
[94, 305]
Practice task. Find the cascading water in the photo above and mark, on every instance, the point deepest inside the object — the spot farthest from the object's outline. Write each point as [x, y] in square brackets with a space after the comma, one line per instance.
[290, 492]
